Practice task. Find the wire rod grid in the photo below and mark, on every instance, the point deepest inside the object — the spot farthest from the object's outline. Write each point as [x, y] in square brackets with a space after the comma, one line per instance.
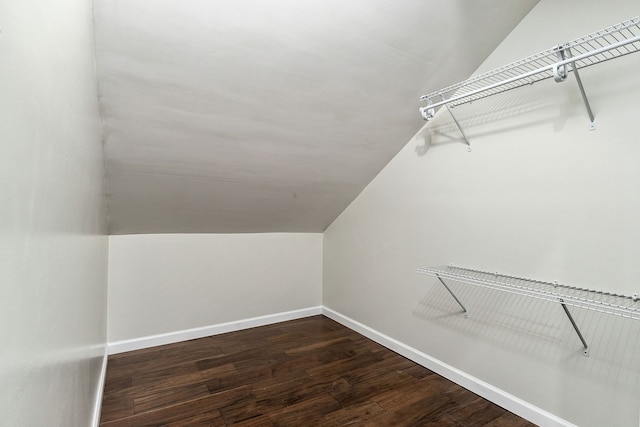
[612, 42]
[602, 302]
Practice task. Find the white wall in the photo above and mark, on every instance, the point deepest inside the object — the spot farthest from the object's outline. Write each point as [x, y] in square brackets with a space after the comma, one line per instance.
[539, 196]
[53, 248]
[163, 283]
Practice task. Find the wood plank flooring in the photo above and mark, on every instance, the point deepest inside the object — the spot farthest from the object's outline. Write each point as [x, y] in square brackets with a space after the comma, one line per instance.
[307, 372]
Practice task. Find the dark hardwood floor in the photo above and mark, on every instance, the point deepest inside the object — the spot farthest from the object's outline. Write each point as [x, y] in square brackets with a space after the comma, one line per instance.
[307, 372]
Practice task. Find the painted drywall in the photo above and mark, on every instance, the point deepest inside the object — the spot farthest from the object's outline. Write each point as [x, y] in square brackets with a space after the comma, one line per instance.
[165, 283]
[539, 196]
[269, 116]
[53, 247]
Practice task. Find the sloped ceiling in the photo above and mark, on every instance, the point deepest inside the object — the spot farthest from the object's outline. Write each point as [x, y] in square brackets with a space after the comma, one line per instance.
[270, 115]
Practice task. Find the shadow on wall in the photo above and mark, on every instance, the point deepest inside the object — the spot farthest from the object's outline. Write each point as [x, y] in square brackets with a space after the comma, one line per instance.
[540, 330]
[423, 141]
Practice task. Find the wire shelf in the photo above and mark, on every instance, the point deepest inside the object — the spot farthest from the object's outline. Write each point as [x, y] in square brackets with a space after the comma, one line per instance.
[602, 302]
[612, 42]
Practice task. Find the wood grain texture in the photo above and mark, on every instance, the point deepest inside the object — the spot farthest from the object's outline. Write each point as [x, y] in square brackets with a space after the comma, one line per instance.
[306, 372]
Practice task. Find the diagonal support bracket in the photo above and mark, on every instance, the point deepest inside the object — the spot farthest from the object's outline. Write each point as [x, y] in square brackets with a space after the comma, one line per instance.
[585, 352]
[560, 74]
[453, 295]
[464, 135]
[429, 112]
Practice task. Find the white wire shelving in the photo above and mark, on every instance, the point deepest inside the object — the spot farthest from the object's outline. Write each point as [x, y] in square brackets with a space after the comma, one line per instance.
[612, 42]
[589, 299]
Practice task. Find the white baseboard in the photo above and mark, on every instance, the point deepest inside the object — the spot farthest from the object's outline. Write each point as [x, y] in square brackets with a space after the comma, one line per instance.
[205, 331]
[97, 405]
[475, 385]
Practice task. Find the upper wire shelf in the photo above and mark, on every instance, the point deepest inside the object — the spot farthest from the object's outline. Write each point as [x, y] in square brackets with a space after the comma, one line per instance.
[602, 302]
[612, 42]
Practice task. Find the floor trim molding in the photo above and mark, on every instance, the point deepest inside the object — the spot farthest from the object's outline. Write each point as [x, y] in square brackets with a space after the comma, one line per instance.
[477, 386]
[205, 331]
[97, 405]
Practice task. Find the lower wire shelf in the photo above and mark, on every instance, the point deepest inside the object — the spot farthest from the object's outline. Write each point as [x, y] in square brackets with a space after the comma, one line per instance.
[589, 299]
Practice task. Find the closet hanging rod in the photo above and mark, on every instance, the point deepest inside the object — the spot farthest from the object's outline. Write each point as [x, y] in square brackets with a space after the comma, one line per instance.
[591, 48]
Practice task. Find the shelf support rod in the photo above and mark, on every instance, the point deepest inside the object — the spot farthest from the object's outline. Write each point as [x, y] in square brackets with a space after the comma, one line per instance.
[453, 295]
[573, 323]
[592, 124]
[464, 135]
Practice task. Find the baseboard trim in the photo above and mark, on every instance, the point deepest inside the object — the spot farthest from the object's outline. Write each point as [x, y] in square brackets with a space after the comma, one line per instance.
[97, 405]
[475, 385]
[205, 331]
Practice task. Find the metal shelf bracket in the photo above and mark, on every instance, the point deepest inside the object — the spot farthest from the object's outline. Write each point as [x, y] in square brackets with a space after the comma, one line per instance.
[459, 127]
[428, 113]
[466, 313]
[560, 74]
[585, 352]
